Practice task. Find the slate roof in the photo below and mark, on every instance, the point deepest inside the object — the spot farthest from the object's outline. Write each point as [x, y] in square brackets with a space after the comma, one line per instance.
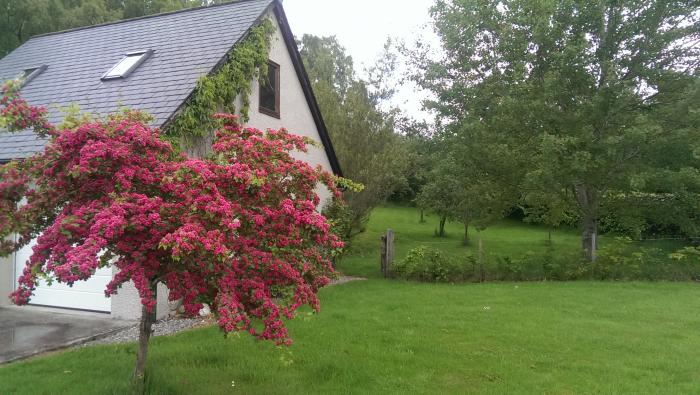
[187, 45]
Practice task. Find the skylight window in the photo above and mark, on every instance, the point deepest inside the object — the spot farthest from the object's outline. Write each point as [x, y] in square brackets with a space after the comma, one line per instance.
[127, 65]
[29, 74]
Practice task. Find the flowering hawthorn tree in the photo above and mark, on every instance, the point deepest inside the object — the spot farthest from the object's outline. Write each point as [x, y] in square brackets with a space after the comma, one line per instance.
[239, 231]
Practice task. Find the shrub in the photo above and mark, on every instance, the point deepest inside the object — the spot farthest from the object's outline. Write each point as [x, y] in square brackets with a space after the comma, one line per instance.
[624, 260]
[616, 262]
[686, 264]
[621, 260]
[538, 266]
[428, 264]
[510, 268]
[339, 217]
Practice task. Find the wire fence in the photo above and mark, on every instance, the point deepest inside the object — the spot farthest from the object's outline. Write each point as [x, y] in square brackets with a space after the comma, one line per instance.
[671, 238]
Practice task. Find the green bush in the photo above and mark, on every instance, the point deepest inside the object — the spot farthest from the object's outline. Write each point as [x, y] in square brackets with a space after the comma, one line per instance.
[533, 266]
[686, 264]
[428, 264]
[617, 262]
[621, 260]
[339, 217]
[624, 260]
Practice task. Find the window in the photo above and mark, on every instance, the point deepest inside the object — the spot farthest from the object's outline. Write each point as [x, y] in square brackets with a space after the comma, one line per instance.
[29, 74]
[270, 91]
[127, 65]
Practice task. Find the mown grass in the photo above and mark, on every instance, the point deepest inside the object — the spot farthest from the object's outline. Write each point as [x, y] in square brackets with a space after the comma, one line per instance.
[379, 336]
[395, 337]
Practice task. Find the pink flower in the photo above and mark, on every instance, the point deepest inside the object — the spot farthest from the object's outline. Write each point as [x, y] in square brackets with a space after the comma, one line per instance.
[241, 233]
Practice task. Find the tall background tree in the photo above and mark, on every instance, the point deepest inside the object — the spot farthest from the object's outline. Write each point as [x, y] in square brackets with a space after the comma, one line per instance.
[457, 190]
[570, 101]
[364, 136]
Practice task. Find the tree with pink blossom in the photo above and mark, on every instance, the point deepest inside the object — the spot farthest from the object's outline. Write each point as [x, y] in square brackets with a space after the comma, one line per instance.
[238, 230]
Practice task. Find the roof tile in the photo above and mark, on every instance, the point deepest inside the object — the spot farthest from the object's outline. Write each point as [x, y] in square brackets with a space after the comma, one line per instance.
[187, 45]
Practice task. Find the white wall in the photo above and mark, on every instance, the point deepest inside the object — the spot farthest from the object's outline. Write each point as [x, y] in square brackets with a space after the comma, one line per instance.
[7, 279]
[126, 304]
[295, 114]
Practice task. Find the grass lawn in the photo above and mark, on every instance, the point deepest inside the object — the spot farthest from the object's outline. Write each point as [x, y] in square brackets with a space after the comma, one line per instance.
[380, 336]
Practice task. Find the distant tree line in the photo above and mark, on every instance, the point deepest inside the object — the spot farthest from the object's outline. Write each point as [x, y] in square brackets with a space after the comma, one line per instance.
[365, 136]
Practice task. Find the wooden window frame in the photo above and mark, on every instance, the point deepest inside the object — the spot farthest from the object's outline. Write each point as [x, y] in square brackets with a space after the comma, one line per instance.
[264, 110]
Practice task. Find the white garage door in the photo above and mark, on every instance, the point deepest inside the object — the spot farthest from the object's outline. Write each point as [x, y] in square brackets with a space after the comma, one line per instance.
[84, 295]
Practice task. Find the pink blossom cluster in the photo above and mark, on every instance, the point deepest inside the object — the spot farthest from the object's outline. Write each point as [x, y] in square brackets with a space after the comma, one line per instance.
[239, 231]
[19, 115]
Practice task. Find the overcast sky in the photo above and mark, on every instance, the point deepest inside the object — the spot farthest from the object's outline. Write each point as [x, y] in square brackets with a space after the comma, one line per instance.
[362, 27]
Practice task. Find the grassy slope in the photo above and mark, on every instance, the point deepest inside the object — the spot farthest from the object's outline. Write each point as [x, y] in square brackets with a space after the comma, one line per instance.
[381, 336]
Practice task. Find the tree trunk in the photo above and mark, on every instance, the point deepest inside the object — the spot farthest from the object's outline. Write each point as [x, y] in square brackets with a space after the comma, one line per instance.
[590, 234]
[198, 146]
[441, 229]
[480, 259]
[588, 202]
[422, 217]
[348, 234]
[466, 233]
[145, 330]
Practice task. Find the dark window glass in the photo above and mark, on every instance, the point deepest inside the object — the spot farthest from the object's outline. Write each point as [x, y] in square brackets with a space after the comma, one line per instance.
[270, 91]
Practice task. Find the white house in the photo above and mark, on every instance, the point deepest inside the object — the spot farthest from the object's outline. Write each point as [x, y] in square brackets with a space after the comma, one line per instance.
[151, 63]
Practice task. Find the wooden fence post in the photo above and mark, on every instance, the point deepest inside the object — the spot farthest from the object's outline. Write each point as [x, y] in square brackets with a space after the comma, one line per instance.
[387, 252]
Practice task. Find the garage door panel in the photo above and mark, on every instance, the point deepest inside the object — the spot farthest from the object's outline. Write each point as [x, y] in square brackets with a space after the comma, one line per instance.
[86, 295]
[68, 298]
[96, 284]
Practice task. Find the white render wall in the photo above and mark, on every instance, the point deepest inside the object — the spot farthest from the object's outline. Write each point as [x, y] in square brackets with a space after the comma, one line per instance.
[7, 279]
[126, 304]
[295, 114]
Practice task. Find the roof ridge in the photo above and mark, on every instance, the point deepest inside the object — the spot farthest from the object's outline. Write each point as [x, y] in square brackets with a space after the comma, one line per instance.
[144, 17]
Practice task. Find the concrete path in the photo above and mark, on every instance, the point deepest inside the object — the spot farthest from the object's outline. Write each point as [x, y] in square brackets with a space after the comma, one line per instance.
[346, 279]
[27, 331]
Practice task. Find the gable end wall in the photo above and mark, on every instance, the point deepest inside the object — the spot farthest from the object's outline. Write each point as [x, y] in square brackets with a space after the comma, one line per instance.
[295, 114]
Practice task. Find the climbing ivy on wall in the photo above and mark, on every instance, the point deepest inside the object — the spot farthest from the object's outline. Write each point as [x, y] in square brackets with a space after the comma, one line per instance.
[218, 92]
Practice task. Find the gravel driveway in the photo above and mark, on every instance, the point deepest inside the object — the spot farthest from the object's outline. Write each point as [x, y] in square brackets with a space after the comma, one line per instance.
[167, 326]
